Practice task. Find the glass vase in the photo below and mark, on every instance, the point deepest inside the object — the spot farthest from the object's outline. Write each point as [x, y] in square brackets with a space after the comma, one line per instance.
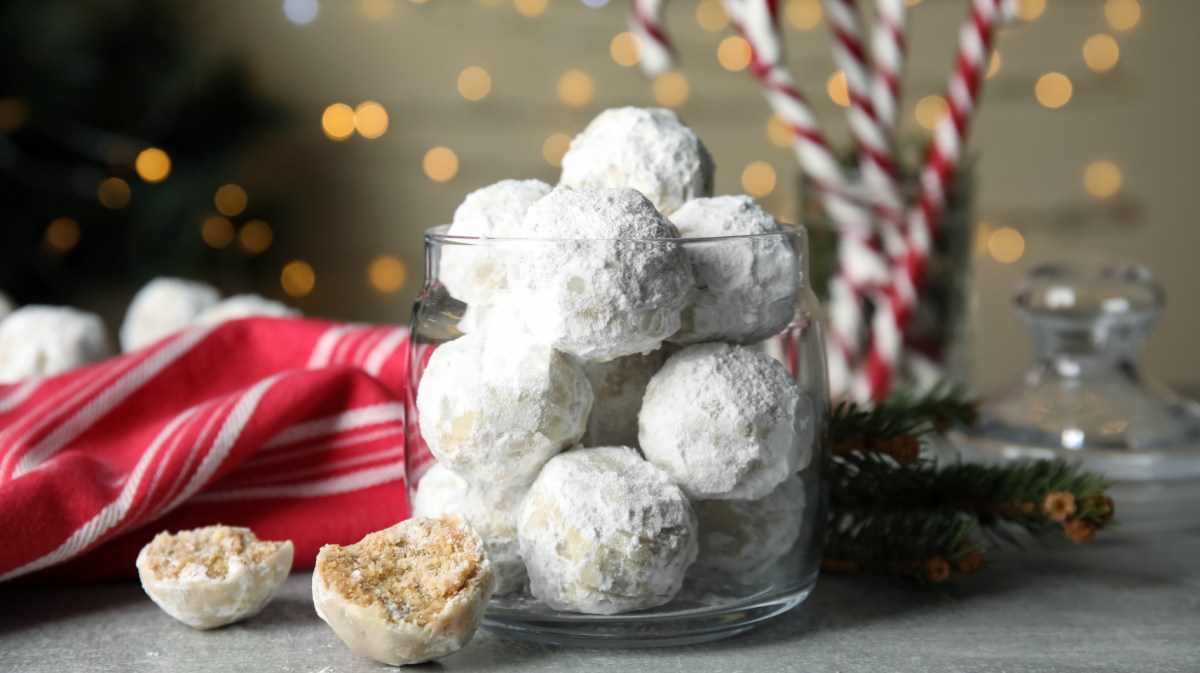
[711, 604]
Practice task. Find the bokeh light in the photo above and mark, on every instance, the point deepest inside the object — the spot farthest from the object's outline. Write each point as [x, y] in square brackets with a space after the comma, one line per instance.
[530, 8]
[370, 119]
[113, 193]
[779, 132]
[671, 89]
[1053, 90]
[1028, 10]
[300, 12]
[734, 53]
[13, 114]
[387, 274]
[1122, 14]
[555, 147]
[1101, 52]
[255, 236]
[1006, 245]
[474, 83]
[626, 49]
[930, 111]
[711, 16]
[803, 14]
[440, 164]
[230, 200]
[217, 232]
[1102, 178]
[62, 235]
[297, 278]
[839, 91]
[378, 9]
[758, 178]
[152, 165]
[576, 88]
[338, 121]
[994, 64]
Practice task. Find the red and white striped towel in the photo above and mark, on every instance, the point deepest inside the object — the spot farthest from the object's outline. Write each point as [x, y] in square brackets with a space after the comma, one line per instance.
[294, 428]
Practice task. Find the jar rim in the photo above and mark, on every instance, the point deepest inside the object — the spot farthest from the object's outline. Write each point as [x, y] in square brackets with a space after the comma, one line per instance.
[440, 234]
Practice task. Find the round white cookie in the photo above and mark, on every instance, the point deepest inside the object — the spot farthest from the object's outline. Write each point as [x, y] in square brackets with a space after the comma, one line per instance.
[742, 538]
[161, 308]
[245, 306]
[607, 286]
[407, 594]
[213, 576]
[723, 421]
[492, 511]
[48, 340]
[470, 271]
[745, 287]
[647, 149]
[603, 531]
[496, 407]
[618, 386]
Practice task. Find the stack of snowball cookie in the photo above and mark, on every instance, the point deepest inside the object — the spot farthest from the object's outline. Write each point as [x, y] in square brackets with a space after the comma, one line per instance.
[610, 421]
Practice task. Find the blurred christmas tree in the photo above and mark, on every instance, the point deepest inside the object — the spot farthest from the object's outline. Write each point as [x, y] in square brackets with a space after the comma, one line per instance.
[115, 134]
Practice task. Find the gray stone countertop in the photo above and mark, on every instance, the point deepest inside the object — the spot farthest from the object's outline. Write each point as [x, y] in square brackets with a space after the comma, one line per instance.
[1125, 603]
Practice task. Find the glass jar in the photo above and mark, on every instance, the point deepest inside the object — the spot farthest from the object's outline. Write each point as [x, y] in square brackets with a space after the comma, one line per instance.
[711, 603]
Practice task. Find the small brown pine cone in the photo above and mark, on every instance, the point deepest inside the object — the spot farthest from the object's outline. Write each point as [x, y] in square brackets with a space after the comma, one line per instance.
[1079, 531]
[937, 570]
[1059, 506]
[1102, 503]
[971, 563]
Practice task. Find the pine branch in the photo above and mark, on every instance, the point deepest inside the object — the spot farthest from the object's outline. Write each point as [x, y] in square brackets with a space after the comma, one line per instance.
[895, 511]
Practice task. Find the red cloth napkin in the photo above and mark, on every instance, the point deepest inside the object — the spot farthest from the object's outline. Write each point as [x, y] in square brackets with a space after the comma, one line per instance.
[294, 428]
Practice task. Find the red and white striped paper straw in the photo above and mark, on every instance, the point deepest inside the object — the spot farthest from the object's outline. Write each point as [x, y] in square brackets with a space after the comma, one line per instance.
[887, 55]
[646, 21]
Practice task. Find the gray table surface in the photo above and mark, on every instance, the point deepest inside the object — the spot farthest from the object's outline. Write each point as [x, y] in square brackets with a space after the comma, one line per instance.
[1128, 603]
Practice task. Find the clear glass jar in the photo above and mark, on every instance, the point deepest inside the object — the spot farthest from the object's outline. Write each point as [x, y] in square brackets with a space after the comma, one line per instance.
[711, 604]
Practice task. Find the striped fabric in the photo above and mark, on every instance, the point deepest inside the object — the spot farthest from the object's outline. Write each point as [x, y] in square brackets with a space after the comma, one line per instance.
[294, 428]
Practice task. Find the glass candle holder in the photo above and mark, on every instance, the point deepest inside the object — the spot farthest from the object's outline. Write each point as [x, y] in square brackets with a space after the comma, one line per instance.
[755, 557]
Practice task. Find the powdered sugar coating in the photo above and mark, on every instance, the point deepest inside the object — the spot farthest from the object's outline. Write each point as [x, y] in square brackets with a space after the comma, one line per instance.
[47, 340]
[603, 531]
[745, 287]
[162, 307]
[742, 538]
[495, 406]
[723, 421]
[647, 149]
[245, 306]
[618, 386]
[490, 510]
[605, 288]
[472, 273]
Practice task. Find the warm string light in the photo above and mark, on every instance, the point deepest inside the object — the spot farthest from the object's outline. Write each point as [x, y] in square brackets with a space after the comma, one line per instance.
[994, 64]
[1006, 245]
[62, 235]
[711, 16]
[1122, 15]
[1053, 90]
[779, 132]
[440, 164]
[1101, 53]
[370, 120]
[838, 90]
[474, 83]
[217, 232]
[338, 121]
[530, 8]
[758, 178]
[734, 53]
[1028, 10]
[255, 236]
[555, 147]
[297, 278]
[803, 14]
[930, 110]
[1102, 179]
[152, 165]
[625, 49]
[671, 89]
[576, 88]
[387, 274]
[378, 9]
[113, 193]
[230, 200]
[13, 114]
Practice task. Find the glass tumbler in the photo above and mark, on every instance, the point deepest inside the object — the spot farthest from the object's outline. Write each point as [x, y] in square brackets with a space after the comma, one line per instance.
[471, 287]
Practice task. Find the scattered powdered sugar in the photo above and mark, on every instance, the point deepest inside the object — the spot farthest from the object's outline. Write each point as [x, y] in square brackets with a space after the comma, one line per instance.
[245, 306]
[492, 511]
[161, 308]
[723, 420]
[496, 406]
[647, 149]
[603, 531]
[606, 287]
[618, 386]
[473, 272]
[745, 287]
[741, 538]
[48, 340]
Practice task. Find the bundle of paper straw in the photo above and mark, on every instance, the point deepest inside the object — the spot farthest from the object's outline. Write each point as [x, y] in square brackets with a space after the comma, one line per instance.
[884, 241]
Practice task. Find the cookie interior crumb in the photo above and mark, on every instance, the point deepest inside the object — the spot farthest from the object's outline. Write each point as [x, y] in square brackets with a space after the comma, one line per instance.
[412, 573]
[206, 552]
